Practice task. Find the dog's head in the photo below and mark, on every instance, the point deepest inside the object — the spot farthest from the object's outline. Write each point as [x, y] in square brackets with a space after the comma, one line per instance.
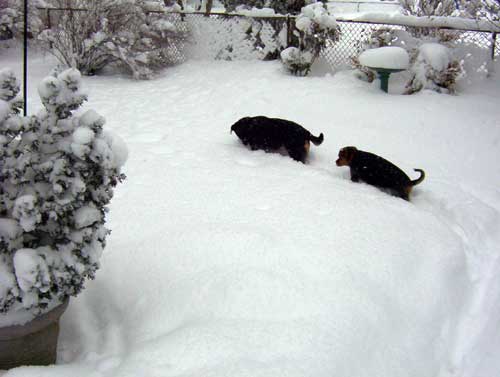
[346, 155]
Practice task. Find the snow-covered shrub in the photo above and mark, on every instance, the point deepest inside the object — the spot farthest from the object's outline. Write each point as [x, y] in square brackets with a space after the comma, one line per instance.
[422, 8]
[57, 174]
[279, 6]
[190, 5]
[315, 27]
[492, 11]
[427, 54]
[428, 8]
[12, 19]
[234, 38]
[483, 9]
[296, 61]
[434, 69]
[7, 23]
[114, 33]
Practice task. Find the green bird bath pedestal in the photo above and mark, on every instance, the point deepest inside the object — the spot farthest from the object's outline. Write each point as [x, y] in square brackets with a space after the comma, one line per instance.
[383, 74]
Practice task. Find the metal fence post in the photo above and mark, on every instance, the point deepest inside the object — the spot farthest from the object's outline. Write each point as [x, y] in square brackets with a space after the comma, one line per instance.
[49, 25]
[289, 31]
[25, 59]
[208, 7]
[493, 45]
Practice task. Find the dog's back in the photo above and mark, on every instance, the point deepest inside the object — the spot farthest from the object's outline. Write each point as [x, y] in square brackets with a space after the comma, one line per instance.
[271, 134]
[259, 132]
[378, 171]
[274, 131]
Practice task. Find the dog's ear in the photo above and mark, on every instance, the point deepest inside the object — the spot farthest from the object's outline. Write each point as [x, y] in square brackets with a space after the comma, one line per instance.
[349, 153]
[346, 155]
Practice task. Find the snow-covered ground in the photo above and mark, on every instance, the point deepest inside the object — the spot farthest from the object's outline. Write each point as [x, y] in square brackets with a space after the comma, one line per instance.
[230, 262]
[356, 6]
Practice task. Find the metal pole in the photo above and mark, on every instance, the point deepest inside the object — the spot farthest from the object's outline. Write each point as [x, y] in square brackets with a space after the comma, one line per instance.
[25, 59]
[493, 45]
[49, 26]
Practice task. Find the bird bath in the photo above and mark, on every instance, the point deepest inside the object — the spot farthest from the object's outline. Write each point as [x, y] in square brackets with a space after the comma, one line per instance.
[384, 61]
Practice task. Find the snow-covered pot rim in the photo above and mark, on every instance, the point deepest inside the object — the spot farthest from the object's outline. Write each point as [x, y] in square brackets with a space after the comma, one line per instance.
[35, 325]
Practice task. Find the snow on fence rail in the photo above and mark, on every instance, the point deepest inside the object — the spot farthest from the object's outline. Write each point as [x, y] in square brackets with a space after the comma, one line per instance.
[230, 36]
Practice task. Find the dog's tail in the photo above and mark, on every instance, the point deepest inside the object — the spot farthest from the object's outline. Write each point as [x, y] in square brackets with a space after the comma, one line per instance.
[317, 140]
[419, 179]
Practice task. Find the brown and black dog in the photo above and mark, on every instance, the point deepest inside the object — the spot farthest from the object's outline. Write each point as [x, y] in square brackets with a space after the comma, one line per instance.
[377, 171]
[271, 134]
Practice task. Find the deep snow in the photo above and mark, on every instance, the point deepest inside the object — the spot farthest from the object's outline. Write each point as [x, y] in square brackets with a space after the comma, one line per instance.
[228, 262]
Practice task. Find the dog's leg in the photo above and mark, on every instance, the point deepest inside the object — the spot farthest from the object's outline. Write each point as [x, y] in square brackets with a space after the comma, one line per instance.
[354, 176]
[298, 154]
[307, 146]
[405, 193]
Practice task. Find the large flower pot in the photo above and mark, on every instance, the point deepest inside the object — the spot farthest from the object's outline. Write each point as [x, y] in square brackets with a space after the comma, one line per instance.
[34, 343]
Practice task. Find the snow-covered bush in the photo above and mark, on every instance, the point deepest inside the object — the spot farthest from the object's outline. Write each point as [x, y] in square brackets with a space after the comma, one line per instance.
[114, 33]
[483, 9]
[296, 61]
[434, 69]
[315, 27]
[428, 8]
[190, 5]
[234, 38]
[279, 6]
[492, 11]
[422, 8]
[12, 19]
[434, 64]
[57, 174]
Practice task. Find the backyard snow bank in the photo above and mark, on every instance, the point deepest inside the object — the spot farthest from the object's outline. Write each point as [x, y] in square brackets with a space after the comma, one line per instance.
[228, 262]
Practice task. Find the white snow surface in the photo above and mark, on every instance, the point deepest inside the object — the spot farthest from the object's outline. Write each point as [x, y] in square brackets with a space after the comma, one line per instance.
[390, 57]
[228, 262]
[255, 12]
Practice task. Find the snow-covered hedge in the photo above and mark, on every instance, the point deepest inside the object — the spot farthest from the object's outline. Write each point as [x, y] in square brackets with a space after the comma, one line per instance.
[315, 26]
[57, 174]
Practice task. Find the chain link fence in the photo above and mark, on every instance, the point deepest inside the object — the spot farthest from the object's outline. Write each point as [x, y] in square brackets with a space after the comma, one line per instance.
[238, 37]
[231, 37]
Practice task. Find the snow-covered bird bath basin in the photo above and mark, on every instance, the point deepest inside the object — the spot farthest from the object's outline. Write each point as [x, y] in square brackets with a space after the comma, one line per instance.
[385, 60]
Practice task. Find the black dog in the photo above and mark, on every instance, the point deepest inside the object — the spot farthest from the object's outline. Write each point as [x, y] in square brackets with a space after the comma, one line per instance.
[377, 171]
[271, 134]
